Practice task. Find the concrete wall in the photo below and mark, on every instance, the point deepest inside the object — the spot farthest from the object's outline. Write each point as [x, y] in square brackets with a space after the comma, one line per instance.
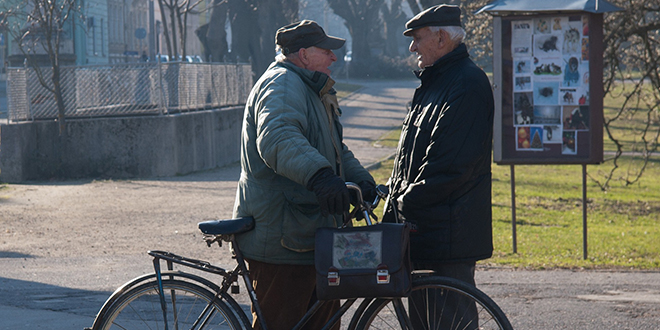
[121, 147]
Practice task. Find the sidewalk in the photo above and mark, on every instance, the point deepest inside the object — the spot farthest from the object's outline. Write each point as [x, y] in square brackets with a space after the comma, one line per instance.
[371, 112]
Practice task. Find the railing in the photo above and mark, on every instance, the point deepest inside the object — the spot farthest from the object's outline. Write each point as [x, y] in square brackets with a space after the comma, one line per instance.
[128, 89]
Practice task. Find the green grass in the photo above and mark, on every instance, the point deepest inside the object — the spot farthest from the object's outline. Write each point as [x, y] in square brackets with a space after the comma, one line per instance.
[345, 89]
[623, 226]
[627, 129]
[391, 139]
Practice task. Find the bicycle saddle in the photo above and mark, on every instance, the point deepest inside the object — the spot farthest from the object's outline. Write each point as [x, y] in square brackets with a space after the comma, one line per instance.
[226, 227]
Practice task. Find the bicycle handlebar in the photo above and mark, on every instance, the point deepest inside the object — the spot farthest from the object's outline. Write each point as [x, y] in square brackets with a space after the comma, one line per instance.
[366, 207]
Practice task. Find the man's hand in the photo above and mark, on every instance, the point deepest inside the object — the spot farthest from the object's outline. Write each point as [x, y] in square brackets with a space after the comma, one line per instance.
[368, 191]
[330, 191]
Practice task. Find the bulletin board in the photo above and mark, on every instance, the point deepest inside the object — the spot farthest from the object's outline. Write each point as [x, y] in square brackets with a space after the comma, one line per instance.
[549, 86]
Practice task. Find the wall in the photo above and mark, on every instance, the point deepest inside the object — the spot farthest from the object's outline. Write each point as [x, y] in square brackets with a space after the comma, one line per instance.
[121, 147]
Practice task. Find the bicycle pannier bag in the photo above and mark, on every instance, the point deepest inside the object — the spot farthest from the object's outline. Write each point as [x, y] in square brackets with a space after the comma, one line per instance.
[371, 261]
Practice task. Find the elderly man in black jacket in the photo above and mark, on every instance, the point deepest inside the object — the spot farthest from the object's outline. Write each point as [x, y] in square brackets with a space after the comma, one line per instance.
[441, 181]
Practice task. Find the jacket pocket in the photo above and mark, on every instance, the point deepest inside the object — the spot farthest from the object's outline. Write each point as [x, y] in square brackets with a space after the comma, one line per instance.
[302, 217]
[430, 237]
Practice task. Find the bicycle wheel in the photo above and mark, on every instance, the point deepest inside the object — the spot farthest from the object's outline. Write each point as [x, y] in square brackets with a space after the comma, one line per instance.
[189, 306]
[436, 303]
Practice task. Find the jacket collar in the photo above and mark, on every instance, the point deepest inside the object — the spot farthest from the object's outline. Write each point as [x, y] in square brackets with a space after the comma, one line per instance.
[443, 63]
[320, 82]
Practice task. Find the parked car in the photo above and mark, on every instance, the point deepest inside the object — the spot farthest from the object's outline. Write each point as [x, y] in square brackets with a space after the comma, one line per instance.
[191, 59]
[161, 58]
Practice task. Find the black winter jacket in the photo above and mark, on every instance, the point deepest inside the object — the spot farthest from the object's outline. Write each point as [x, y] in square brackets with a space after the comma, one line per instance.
[441, 181]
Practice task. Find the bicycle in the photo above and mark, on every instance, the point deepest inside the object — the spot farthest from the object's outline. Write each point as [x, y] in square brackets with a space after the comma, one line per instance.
[173, 299]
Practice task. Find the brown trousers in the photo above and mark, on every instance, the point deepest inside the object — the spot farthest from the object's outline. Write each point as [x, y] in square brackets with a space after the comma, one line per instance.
[285, 293]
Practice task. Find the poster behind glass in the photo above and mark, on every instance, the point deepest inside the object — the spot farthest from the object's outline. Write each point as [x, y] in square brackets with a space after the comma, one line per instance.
[550, 87]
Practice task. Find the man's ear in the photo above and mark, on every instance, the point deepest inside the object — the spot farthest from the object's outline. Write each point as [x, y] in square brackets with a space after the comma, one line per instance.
[443, 38]
[302, 55]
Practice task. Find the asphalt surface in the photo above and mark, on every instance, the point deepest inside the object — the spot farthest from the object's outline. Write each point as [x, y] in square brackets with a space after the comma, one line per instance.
[65, 246]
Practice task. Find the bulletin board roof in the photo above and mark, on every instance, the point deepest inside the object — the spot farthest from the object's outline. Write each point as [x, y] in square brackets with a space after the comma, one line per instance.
[516, 6]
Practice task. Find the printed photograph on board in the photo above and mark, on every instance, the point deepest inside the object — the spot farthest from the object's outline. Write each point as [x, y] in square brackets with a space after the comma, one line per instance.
[530, 138]
[522, 83]
[542, 25]
[585, 49]
[583, 95]
[523, 108]
[522, 66]
[521, 38]
[552, 134]
[559, 24]
[568, 96]
[569, 143]
[547, 69]
[522, 136]
[572, 76]
[575, 118]
[547, 45]
[572, 35]
[585, 26]
[536, 133]
[546, 93]
[547, 114]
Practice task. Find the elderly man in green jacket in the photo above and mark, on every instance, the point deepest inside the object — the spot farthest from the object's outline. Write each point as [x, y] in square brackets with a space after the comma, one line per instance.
[294, 166]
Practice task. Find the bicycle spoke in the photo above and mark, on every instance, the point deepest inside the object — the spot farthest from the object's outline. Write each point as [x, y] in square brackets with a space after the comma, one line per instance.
[189, 306]
[436, 303]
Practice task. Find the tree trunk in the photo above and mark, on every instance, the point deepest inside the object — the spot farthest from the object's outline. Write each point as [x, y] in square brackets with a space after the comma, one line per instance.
[163, 18]
[361, 50]
[414, 7]
[182, 30]
[59, 99]
[175, 48]
[217, 36]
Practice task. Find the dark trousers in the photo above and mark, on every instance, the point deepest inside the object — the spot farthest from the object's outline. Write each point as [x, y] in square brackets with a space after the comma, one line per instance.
[446, 310]
[285, 293]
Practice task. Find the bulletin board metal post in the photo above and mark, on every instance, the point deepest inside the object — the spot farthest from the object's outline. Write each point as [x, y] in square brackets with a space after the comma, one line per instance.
[548, 87]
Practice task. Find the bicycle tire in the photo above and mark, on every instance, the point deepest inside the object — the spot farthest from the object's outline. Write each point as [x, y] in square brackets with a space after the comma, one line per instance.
[140, 308]
[381, 313]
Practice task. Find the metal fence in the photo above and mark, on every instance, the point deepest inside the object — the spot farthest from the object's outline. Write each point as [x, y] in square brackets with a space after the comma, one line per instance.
[128, 89]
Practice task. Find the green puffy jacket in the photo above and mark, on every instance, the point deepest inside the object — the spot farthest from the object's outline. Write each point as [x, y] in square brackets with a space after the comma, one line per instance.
[288, 135]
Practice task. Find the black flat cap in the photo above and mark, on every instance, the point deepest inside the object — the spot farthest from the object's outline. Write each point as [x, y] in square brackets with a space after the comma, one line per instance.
[440, 15]
[305, 34]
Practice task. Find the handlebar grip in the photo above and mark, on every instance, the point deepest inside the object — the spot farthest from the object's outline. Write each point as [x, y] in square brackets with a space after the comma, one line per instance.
[382, 191]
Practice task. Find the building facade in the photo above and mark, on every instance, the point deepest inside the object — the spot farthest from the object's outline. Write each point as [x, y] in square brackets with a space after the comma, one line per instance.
[107, 32]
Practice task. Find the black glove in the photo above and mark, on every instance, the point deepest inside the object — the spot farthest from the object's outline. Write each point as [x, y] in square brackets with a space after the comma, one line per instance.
[368, 191]
[331, 192]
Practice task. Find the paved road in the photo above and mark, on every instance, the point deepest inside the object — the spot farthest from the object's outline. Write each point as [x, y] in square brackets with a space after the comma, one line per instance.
[64, 246]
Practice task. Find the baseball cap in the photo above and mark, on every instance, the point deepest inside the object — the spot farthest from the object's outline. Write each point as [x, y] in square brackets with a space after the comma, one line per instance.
[304, 34]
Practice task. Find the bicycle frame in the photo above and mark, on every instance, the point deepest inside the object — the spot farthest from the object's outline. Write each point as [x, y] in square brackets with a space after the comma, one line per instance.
[220, 301]
[230, 277]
